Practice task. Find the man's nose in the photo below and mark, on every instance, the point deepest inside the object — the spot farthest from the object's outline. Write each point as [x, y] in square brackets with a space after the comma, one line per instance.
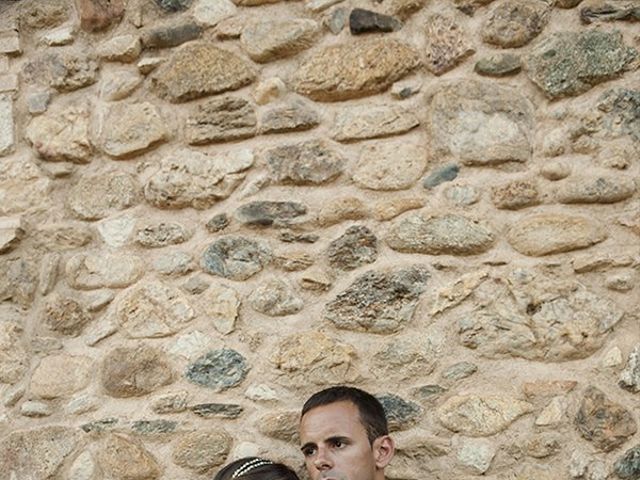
[322, 461]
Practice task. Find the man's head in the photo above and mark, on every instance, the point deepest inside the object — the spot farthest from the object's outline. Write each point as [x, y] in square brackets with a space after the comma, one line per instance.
[344, 435]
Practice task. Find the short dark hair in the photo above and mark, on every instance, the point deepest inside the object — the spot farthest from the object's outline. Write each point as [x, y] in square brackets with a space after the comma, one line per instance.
[372, 415]
[263, 470]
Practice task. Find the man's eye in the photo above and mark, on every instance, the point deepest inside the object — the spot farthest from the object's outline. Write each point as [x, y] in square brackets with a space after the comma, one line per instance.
[338, 444]
[307, 452]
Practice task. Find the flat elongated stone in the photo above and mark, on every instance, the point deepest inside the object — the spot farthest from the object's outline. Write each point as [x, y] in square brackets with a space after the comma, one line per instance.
[217, 410]
[499, 65]
[171, 35]
[366, 21]
[372, 121]
[274, 39]
[163, 234]
[218, 370]
[354, 70]
[188, 178]
[479, 416]
[480, 123]
[270, 213]
[200, 69]
[221, 120]
[378, 302]
[62, 135]
[237, 258]
[446, 44]
[131, 129]
[60, 375]
[595, 189]
[608, 13]
[439, 235]
[133, 372]
[341, 209]
[314, 358]
[312, 162]
[608, 425]
[392, 165]
[151, 310]
[200, 451]
[90, 272]
[514, 23]
[537, 319]
[441, 175]
[173, 6]
[630, 376]
[7, 137]
[290, 117]
[570, 63]
[546, 234]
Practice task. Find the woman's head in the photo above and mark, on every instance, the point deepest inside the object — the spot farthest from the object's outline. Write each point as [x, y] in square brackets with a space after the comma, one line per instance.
[255, 468]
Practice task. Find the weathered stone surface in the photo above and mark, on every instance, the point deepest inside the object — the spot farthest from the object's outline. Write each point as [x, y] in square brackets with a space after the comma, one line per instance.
[174, 263]
[221, 120]
[60, 376]
[37, 15]
[290, 117]
[292, 261]
[393, 165]
[372, 67]
[123, 48]
[218, 370]
[200, 69]
[570, 63]
[441, 175]
[416, 448]
[36, 453]
[341, 209]
[105, 270]
[35, 409]
[98, 196]
[119, 84]
[403, 9]
[543, 445]
[154, 427]
[130, 129]
[314, 358]
[7, 137]
[499, 65]
[211, 12]
[171, 35]
[217, 410]
[61, 135]
[630, 376]
[162, 234]
[270, 213]
[23, 186]
[480, 416]
[372, 121]
[281, 425]
[459, 370]
[446, 44]
[535, 318]
[548, 389]
[275, 298]
[14, 358]
[476, 454]
[514, 23]
[366, 21]
[439, 235]
[378, 302]
[83, 467]
[202, 450]
[173, 6]
[617, 117]
[63, 35]
[98, 15]
[400, 413]
[603, 188]
[134, 371]
[607, 13]
[406, 357]
[237, 258]
[515, 194]
[546, 234]
[65, 315]
[188, 178]
[217, 223]
[274, 39]
[607, 424]
[121, 457]
[221, 304]
[61, 237]
[553, 414]
[567, 3]
[174, 402]
[470, 6]
[358, 246]
[11, 232]
[480, 123]
[313, 162]
[628, 466]
[387, 210]
[18, 280]
[152, 309]
[63, 71]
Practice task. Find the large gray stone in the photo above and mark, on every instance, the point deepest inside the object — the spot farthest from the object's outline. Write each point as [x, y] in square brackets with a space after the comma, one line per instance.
[98, 196]
[132, 128]
[218, 370]
[237, 258]
[570, 63]
[274, 39]
[439, 235]
[188, 178]
[480, 123]
[354, 69]
[533, 317]
[390, 165]
[401, 414]
[313, 162]
[200, 69]
[221, 120]
[618, 113]
[378, 302]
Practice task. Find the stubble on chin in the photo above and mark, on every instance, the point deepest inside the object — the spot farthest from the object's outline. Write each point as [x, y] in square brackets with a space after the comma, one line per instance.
[332, 475]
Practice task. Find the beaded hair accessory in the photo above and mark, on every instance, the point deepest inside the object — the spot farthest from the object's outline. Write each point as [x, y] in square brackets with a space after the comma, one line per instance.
[250, 465]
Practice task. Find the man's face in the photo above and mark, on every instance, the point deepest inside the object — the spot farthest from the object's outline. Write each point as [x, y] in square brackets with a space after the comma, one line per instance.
[336, 447]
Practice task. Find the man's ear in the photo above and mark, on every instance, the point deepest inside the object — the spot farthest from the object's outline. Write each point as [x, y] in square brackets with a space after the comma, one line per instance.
[383, 450]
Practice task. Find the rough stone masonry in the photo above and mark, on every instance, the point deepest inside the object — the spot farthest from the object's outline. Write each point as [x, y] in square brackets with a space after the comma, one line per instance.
[210, 209]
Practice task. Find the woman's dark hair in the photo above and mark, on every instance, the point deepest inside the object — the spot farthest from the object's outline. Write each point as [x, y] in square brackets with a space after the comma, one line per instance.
[255, 468]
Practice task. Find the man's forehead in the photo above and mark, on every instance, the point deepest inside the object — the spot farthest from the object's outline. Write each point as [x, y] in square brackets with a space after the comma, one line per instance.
[332, 420]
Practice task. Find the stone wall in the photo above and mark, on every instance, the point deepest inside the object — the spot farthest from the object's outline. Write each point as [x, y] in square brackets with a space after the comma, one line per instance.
[209, 210]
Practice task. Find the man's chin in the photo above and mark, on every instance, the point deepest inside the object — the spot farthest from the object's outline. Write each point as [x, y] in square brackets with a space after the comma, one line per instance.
[332, 476]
